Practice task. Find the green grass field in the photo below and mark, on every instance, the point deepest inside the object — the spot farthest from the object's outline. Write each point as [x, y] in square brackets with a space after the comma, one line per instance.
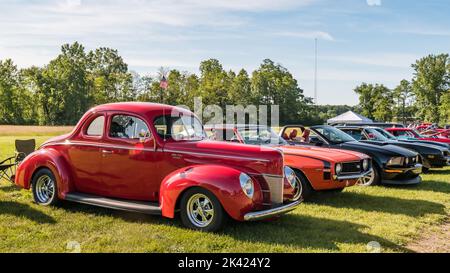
[339, 222]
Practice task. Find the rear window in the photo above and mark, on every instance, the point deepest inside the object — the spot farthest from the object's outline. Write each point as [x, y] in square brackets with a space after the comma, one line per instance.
[96, 127]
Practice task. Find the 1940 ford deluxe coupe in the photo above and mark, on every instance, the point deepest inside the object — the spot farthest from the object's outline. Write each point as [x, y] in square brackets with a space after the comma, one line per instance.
[154, 159]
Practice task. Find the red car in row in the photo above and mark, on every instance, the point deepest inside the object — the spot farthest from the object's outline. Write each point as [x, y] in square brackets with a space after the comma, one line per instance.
[155, 159]
[408, 133]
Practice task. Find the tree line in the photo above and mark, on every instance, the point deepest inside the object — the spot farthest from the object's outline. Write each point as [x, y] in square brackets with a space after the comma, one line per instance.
[61, 91]
[426, 97]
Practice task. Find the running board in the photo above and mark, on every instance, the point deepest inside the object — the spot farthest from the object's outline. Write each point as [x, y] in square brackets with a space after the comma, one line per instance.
[127, 205]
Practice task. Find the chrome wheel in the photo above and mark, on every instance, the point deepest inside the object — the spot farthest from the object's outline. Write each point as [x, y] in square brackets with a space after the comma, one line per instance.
[368, 179]
[298, 188]
[45, 189]
[200, 210]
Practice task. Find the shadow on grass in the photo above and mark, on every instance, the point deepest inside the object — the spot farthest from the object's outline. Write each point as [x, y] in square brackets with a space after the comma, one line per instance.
[439, 171]
[306, 232]
[289, 230]
[434, 186]
[132, 217]
[22, 210]
[9, 188]
[352, 200]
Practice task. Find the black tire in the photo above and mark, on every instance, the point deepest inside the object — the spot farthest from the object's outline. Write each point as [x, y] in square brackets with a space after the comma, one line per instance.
[217, 220]
[307, 190]
[39, 192]
[376, 179]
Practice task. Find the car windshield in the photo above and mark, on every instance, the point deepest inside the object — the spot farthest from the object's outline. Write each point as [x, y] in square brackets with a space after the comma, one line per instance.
[333, 134]
[179, 128]
[260, 135]
[385, 133]
[373, 134]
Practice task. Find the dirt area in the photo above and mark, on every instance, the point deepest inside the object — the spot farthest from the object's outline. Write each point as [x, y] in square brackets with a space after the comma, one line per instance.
[434, 242]
[8, 130]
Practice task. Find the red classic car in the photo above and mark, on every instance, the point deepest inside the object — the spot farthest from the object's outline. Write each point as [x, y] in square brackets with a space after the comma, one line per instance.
[408, 133]
[319, 169]
[154, 159]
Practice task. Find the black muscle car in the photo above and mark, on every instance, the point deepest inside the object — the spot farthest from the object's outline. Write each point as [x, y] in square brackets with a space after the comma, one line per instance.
[391, 164]
[432, 156]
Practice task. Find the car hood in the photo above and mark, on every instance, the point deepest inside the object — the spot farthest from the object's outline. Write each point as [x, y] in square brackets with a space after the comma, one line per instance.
[388, 150]
[433, 143]
[260, 159]
[331, 155]
[418, 147]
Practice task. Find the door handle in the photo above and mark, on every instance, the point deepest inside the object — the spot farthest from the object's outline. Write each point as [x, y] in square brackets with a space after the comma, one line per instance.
[176, 156]
[105, 152]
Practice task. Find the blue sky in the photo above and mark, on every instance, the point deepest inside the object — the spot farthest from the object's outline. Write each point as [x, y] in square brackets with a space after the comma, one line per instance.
[371, 41]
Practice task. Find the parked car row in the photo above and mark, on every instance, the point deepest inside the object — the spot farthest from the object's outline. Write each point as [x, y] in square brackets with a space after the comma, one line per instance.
[158, 159]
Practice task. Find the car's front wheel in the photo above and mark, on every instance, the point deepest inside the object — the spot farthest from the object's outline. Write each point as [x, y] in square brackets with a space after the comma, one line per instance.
[201, 210]
[44, 188]
[372, 179]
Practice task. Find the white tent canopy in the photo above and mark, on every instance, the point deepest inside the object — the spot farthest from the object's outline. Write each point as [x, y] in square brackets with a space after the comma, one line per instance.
[349, 117]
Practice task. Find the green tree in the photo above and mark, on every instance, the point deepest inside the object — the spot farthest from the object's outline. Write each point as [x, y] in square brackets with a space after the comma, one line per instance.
[214, 83]
[273, 84]
[404, 99]
[63, 86]
[431, 83]
[445, 108]
[109, 73]
[376, 101]
[240, 89]
[15, 100]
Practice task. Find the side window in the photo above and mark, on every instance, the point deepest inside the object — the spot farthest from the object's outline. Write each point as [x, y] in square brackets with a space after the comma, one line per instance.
[161, 126]
[356, 134]
[96, 127]
[127, 127]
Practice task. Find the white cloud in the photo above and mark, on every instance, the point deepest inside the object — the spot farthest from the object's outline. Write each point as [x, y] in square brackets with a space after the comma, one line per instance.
[394, 60]
[307, 35]
[374, 2]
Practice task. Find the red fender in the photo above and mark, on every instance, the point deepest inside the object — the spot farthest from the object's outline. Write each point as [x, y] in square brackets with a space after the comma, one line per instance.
[222, 181]
[46, 158]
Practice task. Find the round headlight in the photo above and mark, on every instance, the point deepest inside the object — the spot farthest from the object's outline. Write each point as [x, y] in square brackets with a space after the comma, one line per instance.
[338, 168]
[294, 181]
[290, 176]
[247, 185]
[366, 164]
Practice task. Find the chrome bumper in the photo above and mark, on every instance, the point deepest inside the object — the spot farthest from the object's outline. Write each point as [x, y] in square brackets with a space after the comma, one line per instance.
[351, 176]
[259, 215]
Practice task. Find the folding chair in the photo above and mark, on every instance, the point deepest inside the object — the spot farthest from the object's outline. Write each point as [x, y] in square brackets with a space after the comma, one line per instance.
[7, 169]
[24, 148]
[8, 166]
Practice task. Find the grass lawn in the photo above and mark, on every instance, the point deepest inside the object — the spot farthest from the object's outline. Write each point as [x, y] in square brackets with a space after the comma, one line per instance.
[340, 222]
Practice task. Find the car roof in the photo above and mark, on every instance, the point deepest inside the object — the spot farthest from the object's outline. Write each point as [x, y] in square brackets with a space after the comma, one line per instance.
[139, 108]
[398, 129]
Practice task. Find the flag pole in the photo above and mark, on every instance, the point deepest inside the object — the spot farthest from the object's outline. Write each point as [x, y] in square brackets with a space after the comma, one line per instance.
[315, 71]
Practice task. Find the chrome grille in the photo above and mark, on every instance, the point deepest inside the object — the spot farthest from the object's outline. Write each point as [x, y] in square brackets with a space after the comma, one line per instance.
[276, 187]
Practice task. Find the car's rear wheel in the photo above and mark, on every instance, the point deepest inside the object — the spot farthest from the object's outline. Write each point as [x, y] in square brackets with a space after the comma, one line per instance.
[44, 188]
[201, 210]
[372, 179]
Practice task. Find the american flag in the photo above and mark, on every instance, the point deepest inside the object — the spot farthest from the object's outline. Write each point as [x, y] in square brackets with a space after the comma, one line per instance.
[164, 84]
